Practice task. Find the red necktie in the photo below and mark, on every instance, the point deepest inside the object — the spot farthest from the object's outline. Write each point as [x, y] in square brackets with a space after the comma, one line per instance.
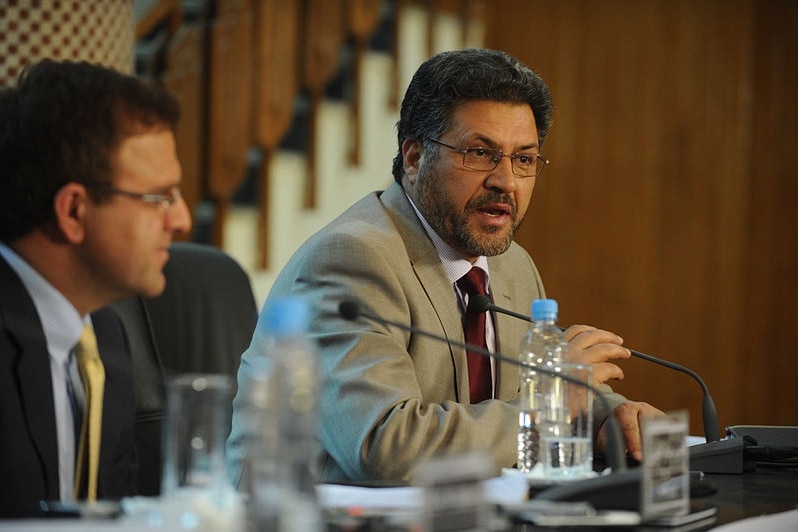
[480, 381]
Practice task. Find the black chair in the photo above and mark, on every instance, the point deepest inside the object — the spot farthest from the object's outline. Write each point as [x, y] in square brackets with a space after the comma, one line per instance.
[202, 323]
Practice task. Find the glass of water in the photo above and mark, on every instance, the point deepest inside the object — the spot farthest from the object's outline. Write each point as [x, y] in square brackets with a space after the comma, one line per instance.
[566, 432]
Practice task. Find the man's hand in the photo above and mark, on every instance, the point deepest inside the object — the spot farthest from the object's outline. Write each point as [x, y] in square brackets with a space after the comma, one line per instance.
[630, 415]
[588, 345]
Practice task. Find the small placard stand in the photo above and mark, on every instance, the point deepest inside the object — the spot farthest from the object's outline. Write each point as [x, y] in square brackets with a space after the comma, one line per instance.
[454, 493]
[665, 489]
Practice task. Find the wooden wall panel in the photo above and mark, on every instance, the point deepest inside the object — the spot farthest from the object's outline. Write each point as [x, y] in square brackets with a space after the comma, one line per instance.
[667, 213]
[770, 358]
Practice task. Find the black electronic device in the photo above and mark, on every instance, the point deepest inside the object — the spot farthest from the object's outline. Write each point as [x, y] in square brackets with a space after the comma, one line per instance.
[767, 445]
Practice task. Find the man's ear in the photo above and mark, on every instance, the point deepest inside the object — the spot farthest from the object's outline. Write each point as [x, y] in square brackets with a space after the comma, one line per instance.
[70, 206]
[412, 150]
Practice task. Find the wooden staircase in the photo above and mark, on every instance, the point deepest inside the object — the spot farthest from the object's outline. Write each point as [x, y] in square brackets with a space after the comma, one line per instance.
[289, 107]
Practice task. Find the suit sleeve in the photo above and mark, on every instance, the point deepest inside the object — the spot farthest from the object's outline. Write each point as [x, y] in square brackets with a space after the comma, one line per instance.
[388, 400]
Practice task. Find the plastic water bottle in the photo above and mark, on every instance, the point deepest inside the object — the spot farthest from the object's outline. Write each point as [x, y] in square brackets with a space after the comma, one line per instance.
[541, 395]
[281, 462]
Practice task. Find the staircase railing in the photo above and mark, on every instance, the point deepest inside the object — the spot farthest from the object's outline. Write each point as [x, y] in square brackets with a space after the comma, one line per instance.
[245, 71]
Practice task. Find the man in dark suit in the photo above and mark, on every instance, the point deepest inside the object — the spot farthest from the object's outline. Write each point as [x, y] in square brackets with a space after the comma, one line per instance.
[88, 208]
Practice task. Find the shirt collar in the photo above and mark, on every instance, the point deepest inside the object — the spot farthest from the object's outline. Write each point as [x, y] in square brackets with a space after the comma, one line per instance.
[60, 319]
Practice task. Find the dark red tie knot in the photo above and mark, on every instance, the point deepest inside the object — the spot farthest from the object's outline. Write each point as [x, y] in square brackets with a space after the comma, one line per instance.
[473, 283]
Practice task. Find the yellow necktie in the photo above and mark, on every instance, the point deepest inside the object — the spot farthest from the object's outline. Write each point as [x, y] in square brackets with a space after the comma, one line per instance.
[92, 373]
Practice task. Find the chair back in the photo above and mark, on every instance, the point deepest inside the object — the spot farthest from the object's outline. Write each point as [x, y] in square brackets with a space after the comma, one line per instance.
[201, 323]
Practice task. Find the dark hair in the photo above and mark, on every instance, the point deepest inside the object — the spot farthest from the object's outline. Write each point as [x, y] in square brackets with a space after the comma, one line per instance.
[451, 78]
[61, 123]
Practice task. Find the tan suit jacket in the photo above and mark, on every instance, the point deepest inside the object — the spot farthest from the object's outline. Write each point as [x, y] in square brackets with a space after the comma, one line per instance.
[390, 399]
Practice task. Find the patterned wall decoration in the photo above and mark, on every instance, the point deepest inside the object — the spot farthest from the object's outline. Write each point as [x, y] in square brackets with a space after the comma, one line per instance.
[98, 31]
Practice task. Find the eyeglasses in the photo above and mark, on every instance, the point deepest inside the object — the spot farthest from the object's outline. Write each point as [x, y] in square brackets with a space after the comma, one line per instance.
[487, 159]
[164, 200]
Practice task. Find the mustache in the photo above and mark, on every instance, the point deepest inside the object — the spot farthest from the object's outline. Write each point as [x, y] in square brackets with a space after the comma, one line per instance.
[492, 198]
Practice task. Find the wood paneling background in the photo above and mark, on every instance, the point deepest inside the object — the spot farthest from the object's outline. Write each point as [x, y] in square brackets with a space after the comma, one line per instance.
[668, 213]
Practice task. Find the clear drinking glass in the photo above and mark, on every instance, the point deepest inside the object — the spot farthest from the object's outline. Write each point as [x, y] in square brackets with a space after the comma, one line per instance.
[195, 488]
[566, 432]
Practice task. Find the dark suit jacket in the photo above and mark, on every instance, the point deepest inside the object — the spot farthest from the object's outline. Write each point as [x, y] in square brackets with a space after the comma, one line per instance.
[28, 441]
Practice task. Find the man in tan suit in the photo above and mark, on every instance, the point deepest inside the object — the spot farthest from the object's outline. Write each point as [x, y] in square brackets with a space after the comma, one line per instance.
[390, 399]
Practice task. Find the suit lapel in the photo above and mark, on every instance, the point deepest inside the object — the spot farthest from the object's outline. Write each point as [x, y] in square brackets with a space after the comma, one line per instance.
[504, 292]
[111, 343]
[441, 297]
[33, 372]
[440, 294]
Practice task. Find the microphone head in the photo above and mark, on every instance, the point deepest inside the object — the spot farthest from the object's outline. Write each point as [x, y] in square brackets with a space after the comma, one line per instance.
[349, 309]
[478, 304]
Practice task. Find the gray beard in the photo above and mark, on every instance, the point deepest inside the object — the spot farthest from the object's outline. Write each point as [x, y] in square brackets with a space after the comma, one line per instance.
[452, 225]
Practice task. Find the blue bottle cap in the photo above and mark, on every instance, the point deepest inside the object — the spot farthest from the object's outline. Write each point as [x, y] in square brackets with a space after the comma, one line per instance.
[544, 309]
[285, 316]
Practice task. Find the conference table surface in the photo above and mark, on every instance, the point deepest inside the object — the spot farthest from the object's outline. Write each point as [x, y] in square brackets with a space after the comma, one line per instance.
[764, 491]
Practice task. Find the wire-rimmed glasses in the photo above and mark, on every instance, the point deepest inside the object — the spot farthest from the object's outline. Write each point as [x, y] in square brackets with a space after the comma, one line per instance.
[487, 159]
[164, 200]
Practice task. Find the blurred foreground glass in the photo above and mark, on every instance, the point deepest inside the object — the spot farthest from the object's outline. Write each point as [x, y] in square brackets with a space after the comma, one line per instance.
[566, 448]
[195, 486]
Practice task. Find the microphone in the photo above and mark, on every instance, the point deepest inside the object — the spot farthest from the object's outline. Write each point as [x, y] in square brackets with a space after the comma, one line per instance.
[352, 310]
[480, 304]
[715, 456]
[617, 491]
